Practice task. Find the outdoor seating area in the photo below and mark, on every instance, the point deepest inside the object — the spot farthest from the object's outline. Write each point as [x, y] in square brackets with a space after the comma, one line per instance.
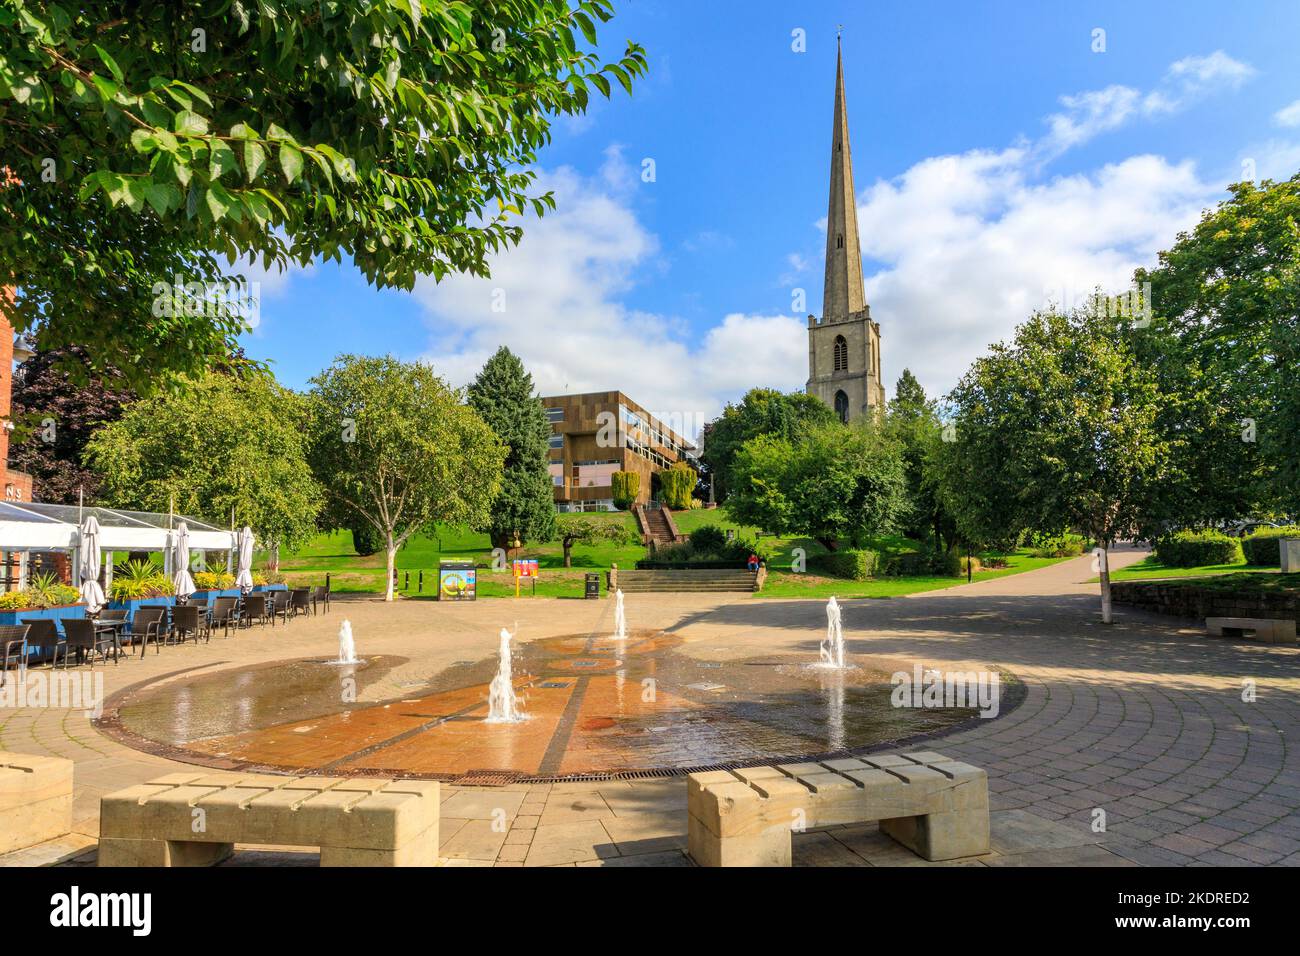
[114, 633]
[88, 621]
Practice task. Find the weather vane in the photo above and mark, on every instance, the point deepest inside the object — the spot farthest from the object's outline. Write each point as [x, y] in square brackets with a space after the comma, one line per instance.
[839, 30]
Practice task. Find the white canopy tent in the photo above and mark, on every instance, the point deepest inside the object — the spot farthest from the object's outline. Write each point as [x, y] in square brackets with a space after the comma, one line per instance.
[31, 526]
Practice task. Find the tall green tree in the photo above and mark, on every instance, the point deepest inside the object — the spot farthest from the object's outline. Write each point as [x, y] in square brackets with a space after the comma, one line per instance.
[913, 421]
[1225, 346]
[763, 411]
[829, 483]
[394, 446]
[399, 133]
[504, 397]
[223, 444]
[1061, 428]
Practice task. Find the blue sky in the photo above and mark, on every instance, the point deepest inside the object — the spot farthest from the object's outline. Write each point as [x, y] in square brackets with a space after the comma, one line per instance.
[1000, 163]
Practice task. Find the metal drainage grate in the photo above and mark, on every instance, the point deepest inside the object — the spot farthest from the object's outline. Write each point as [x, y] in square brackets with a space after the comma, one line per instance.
[554, 683]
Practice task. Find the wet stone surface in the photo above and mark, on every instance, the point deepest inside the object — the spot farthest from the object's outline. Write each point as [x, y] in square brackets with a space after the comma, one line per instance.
[594, 705]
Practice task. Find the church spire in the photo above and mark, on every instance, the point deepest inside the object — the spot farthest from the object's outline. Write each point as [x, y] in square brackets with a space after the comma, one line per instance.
[843, 293]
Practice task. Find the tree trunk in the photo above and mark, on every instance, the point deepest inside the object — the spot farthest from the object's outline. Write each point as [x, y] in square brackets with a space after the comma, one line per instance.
[1105, 583]
[568, 553]
[830, 544]
[273, 558]
[392, 564]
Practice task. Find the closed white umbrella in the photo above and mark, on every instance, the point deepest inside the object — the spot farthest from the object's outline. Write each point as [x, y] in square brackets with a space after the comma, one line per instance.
[91, 592]
[244, 579]
[182, 581]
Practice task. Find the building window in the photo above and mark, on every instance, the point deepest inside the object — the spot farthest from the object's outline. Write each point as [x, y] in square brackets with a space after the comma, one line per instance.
[842, 406]
[554, 415]
[841, 355]
[557, 441]
[839, 241]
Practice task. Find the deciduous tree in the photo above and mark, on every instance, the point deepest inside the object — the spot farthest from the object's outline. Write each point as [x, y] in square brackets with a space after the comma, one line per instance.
[393, 445]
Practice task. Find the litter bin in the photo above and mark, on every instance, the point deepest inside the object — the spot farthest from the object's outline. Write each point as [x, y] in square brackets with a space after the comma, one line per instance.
[593, 586]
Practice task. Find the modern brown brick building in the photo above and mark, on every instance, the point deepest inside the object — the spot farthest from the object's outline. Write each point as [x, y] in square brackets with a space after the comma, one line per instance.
[596, 434]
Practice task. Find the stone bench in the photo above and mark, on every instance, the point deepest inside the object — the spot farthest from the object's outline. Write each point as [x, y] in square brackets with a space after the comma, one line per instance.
[35, 800]
[1269, 630]
[935, 806]
[194, 819]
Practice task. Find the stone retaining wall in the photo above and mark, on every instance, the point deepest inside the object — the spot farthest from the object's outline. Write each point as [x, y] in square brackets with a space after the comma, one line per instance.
[1190, 600]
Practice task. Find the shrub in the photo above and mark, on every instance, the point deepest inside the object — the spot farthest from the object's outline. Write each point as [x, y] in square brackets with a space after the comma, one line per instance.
[913, 563]
[136, 580]
[214, 581]
[624, 486]
[1193, 549]
[855, 564]
[1261, 547]
[974, 565]
[44, 591]
[1057, 545]
[366, 540]
[676, 484]
[708, 537]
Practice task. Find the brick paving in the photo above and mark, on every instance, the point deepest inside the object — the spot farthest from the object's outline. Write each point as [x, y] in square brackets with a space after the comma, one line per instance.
[1144, 722]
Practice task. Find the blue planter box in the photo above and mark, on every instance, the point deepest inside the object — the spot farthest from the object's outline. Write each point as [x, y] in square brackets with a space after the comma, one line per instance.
[132, 606]
[210, 595]
[270, 587]
[55, 613]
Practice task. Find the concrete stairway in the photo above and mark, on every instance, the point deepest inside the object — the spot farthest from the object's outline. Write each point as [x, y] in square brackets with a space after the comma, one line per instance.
[656, 526]
[633, 581]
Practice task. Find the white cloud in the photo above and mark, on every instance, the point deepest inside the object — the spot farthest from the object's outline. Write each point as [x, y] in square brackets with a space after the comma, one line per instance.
[1092, 112]
[1288, 115]
[971, 245]
[559, 307]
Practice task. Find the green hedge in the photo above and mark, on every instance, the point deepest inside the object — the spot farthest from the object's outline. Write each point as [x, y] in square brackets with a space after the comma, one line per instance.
[910, 563]
[1194, 549]
[1262, 548]
[854, 564]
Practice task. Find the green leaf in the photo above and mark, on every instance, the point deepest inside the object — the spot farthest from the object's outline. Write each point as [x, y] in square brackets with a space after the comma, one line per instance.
[290, 162]
[254, 159]
[190, 123]
[221, 160]
[109, 62]
[162, 197]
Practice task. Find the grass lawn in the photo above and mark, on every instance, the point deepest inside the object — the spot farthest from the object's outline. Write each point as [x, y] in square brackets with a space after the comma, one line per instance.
[349, 572]
[785, 584]
[1149, 567]
[1245, 578]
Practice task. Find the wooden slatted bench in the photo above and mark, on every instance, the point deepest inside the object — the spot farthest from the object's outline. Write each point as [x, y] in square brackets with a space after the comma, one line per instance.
[935, 806]
[1266, 629]
[194, 819]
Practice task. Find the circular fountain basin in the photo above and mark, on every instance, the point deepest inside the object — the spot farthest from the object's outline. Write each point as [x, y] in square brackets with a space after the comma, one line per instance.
[645, 705]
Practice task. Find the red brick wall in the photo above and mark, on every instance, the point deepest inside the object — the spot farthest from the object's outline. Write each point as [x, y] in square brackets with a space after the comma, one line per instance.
[17, 486]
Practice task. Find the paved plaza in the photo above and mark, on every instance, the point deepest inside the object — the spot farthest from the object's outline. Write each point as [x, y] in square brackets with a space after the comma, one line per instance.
[1134, 744]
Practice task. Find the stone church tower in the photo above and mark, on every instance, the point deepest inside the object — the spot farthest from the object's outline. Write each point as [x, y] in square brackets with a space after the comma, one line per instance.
[844, 344]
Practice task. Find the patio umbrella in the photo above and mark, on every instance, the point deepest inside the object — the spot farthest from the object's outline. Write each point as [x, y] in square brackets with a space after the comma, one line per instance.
[181, 562]
[91, 592]
[244, 579]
